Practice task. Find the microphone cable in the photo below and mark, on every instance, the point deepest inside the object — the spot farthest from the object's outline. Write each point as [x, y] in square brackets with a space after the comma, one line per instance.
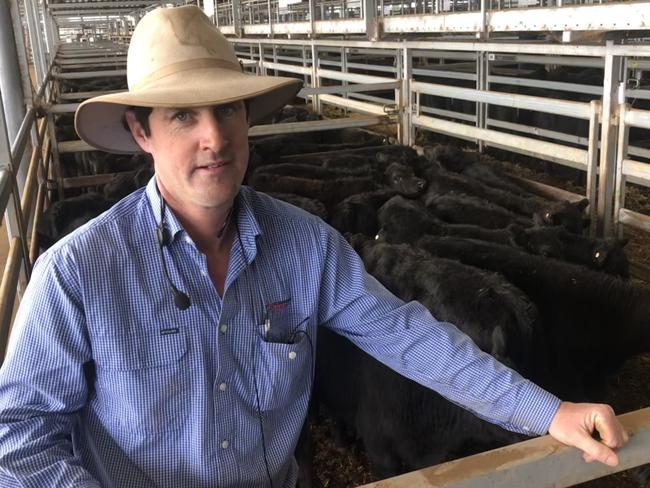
[181, 300]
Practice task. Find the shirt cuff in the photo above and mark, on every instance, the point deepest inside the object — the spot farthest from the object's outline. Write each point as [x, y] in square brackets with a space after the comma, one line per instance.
[535, 409]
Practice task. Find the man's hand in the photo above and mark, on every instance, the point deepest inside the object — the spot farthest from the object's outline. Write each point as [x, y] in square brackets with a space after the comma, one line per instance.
[574, 423]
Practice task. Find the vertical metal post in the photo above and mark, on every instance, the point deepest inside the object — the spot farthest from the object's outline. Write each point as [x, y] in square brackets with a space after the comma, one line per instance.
[621, 154]
[481, 84]
[11, 86]
[236, 18]
[315, 80]
[344, 69]
[592, 164]
[370, 17]
[13, 213]
[483, 33]
[262, 67]
[406, 133]
[304, 63]
[34, 40]
[312, 18]
[270, 14]
[275, 58]
[613, 66]
[21, 52]
[49, 46]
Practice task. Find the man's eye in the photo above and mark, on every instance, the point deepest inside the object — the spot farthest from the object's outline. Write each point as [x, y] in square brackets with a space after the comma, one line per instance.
[227, 110]
[181, 116]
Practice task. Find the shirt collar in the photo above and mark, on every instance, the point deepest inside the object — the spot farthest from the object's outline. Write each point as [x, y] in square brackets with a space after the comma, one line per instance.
[172, 223]
[247, 224]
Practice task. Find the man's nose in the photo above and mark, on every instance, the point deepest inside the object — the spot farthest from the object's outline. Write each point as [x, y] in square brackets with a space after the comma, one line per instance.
[213, 134]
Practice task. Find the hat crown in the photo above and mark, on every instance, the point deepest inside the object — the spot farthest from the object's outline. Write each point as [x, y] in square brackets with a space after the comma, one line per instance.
[168, 40]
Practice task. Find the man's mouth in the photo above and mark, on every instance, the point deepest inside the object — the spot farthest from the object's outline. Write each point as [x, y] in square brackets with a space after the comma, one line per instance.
[213, 165]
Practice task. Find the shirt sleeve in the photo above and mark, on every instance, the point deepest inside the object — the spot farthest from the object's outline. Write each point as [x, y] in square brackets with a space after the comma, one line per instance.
[42, 381]
[408, 339]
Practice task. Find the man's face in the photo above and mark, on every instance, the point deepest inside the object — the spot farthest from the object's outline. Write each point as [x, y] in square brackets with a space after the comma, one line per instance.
[200, 154]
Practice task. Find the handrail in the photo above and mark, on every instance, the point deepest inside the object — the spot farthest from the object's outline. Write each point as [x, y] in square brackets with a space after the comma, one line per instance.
[544, 460]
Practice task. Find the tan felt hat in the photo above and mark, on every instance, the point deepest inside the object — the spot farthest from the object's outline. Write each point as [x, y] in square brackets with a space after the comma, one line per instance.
[178, 58]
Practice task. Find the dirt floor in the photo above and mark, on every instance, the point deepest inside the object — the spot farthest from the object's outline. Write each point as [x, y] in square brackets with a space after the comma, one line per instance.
[627, 391]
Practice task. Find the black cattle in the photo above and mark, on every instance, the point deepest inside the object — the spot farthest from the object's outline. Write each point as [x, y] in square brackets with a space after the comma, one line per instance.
[402, 425]
[63, 217]
[569, 215]
[465, 209]
[123, 184]
[358, 213]
[593, 321]
[311, 205]
[330, 192]
[467, 163]
[403, 220]
[606, 255]
[473, 177]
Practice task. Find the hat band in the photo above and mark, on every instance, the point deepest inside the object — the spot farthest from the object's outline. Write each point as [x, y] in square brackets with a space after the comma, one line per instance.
[173, 68]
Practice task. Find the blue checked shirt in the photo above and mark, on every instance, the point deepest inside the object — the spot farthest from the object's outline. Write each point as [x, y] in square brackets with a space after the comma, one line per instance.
[106, 383]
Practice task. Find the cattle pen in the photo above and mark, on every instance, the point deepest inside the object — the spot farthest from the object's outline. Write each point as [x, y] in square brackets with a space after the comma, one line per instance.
[560, 88]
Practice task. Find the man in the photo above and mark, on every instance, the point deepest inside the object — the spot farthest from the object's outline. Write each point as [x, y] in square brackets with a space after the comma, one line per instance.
[170, 342]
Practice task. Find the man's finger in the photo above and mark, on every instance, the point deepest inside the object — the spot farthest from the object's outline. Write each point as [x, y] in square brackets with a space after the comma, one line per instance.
[596, 451]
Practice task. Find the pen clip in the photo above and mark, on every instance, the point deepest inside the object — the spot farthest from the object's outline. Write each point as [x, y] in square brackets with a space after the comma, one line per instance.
[267, 326]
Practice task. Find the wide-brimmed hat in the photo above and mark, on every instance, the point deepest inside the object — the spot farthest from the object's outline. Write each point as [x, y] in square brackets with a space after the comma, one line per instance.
[178, 58]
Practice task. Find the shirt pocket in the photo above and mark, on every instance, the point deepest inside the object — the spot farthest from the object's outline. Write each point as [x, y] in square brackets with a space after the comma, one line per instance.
[283, 371]
[142, 383]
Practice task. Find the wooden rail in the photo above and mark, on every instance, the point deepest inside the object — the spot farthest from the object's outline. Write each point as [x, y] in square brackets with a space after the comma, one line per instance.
[541, 463]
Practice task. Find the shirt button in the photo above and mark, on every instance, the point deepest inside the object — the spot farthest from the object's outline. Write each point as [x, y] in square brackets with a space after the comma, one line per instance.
[223, 386]
[223, 328]
[292, 355]
[526, 428]
[225, 444]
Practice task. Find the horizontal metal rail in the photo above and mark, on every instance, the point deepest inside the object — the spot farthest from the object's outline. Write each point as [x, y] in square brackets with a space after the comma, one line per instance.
[549, 105]
[353, 77]
[634, 219]
[65, 63]
[548, 85]
[636, 171]
[392, 85]
[632, 50]
[63, 108]
[549, 134]
[84, 95]
[89, 74]
[541, 462]
[637, 118]
[289, 68]
[368, 108]
[568, 156]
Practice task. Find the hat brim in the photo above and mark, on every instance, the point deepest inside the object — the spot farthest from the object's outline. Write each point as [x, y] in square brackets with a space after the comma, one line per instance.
[100, 121]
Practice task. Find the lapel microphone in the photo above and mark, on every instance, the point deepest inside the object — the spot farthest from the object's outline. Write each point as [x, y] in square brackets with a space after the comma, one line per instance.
[181, 300]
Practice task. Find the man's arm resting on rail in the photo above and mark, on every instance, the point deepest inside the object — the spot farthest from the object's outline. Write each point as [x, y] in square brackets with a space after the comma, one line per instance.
[42, 382]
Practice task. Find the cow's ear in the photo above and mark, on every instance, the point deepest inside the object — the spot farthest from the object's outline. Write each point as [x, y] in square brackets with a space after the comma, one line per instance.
[582, 204]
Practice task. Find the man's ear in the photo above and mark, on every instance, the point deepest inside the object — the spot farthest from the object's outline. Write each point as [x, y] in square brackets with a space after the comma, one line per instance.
[137, 131]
